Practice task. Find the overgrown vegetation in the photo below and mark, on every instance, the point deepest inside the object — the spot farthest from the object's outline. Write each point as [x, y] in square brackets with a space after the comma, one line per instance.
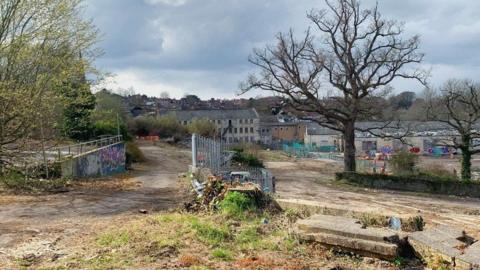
[403, 163]
[238, 205]
[246, 158]
[17, 182]
[163, 126]
[133, 153]
[202, 126]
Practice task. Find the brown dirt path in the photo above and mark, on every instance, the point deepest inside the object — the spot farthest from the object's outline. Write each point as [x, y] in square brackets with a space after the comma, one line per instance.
[155, 188]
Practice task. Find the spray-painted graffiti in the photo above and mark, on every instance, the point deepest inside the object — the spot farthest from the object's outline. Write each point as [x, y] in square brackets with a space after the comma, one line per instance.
[112, 159]
[105, 161]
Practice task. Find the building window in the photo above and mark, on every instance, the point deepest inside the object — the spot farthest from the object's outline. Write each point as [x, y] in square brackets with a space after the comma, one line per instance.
[251, 130]
[240, 121]
[263, 130]
[235, 130]
[246, 139]
[251, 121]
[219, 121]
[241, 130]
[252, 139]
[230, 140]
[229, 122]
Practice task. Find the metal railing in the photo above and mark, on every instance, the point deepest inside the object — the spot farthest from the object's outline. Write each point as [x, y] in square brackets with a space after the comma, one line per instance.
[81, 148]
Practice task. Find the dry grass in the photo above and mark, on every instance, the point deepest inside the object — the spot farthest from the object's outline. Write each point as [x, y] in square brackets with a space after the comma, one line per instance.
[118, 183]
[187, 241]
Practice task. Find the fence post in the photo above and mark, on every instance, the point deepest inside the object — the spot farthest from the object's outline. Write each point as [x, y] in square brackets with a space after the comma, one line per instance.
[194, 151]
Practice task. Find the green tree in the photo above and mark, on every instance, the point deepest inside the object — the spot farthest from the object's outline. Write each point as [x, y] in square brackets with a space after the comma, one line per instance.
[79, 103]
[40, 41]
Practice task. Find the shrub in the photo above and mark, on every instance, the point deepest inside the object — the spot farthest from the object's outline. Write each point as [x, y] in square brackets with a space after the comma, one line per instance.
[102, 128]
[133, 153]
[164, 126]
[202, 126]
[245, 158]
[237, 205]
[404, 163]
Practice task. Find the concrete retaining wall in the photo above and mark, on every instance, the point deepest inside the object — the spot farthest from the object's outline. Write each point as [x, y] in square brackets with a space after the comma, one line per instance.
[104, 161]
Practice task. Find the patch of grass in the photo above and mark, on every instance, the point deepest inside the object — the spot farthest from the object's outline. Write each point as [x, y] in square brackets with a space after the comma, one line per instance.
[210, 234]
[223, 254]
[399, 261]
[251, 239]
[114, 239]
[16, 181]
[373, 220]
[237, 205]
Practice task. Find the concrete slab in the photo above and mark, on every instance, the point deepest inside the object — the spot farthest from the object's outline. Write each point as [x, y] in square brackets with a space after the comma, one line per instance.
[446, 245]
[347, 227]
[348, 234]
[410, 222]
[471, 257]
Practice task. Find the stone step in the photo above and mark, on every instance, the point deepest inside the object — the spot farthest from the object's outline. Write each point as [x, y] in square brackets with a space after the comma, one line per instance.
[347, 227]
[447, 245]
[348, 234]
[409, 222]
[362, 247]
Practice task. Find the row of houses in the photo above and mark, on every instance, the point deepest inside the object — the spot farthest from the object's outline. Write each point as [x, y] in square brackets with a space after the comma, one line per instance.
[247, 125]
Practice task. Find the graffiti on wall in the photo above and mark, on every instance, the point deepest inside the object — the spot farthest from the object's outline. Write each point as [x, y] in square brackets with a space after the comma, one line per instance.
[112, 159]
[102, 162]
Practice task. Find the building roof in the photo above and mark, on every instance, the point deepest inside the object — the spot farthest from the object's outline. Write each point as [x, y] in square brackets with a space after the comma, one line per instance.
[214, 114]
[415, 128]
[315, 129]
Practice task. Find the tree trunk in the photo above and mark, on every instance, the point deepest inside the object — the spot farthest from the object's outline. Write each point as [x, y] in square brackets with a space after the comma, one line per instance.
[466, 159]
[349, 150]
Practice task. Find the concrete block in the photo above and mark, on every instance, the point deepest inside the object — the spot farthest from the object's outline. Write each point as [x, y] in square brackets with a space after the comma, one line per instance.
[446, 244]
[348, 234]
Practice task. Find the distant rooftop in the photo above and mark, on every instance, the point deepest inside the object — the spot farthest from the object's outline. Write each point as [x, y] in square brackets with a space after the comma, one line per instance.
[216, 114]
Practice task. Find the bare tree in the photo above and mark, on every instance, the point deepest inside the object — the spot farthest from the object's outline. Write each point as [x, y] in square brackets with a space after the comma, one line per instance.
[331, 78]
[457, 104]
[164, 95]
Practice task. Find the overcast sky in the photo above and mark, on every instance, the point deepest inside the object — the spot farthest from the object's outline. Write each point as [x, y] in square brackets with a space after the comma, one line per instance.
[201, 46]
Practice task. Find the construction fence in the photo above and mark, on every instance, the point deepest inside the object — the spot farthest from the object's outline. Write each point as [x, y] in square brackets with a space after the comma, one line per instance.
[216, 155]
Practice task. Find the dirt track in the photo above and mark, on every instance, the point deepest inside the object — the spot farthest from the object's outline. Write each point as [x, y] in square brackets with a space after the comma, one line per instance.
[58, 215]
[312, 180]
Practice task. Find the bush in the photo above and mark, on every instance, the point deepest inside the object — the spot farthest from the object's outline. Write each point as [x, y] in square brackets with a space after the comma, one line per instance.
[237, 205]
[164, 127]
[202, 127]
[404, 163]
[133, 153]
[247, 159]
[102, 128]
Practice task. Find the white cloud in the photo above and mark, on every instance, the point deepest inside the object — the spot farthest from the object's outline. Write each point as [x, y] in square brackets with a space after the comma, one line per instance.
[175, 3]
[201, 47]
